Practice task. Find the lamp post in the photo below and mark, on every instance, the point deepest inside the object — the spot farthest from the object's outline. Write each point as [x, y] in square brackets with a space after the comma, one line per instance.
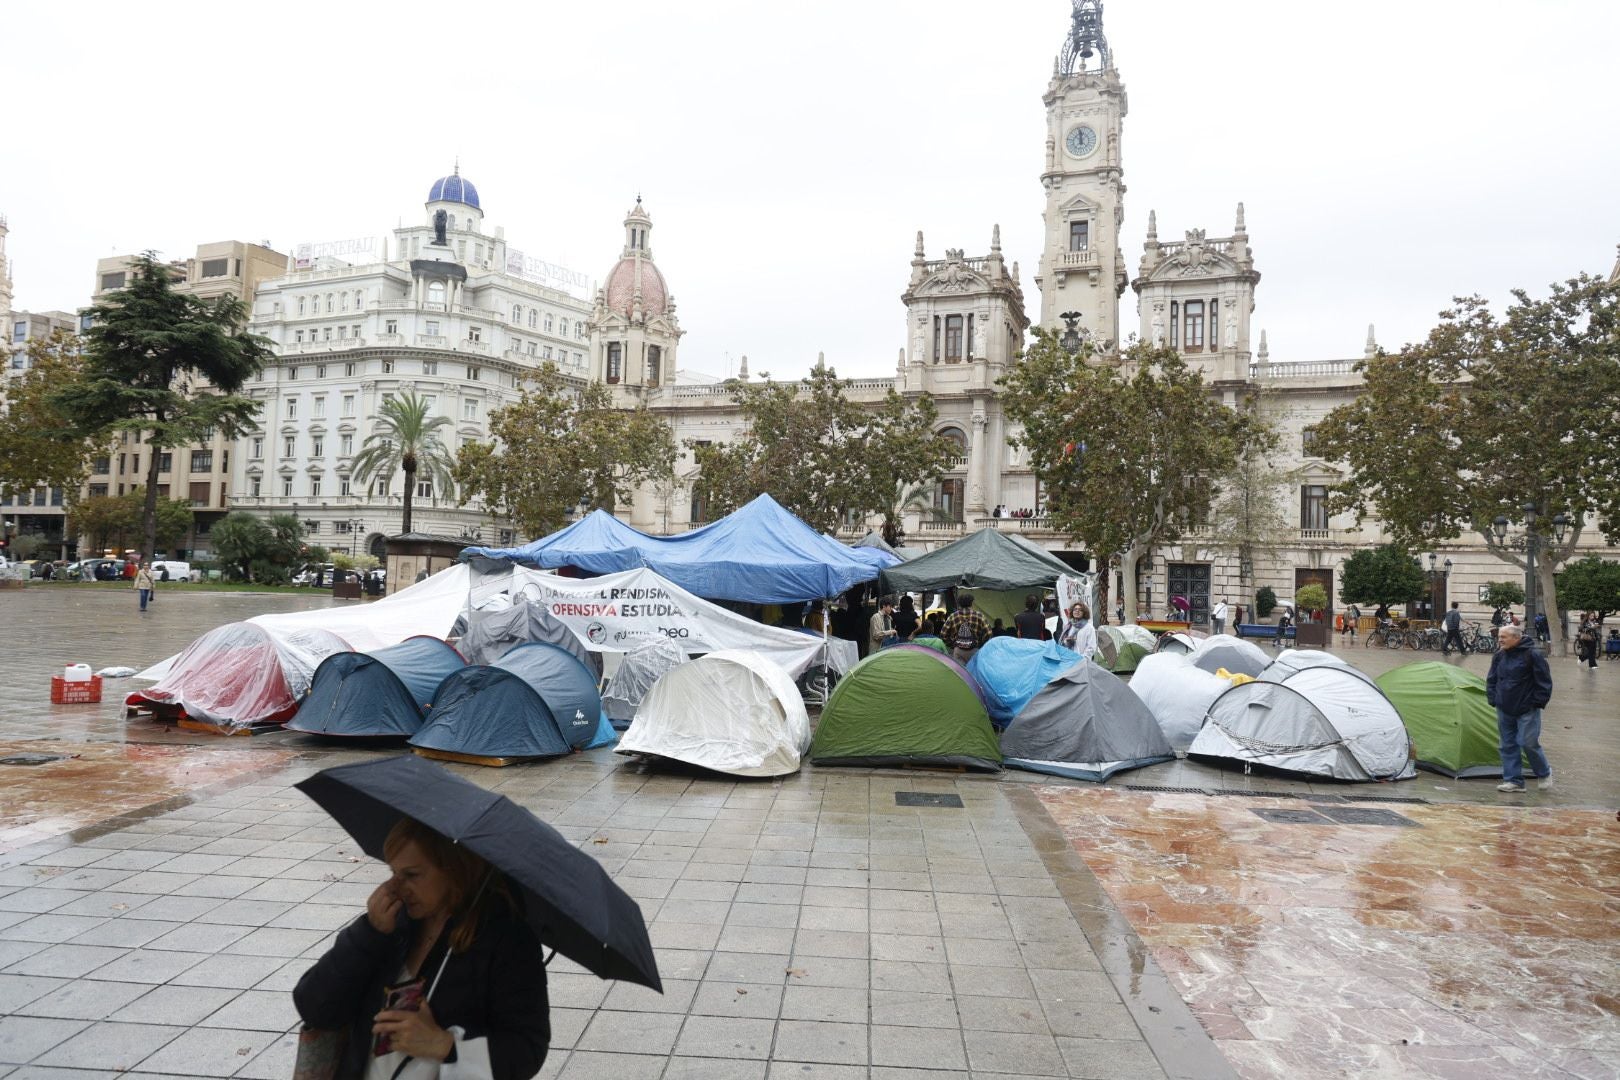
[1532, 548]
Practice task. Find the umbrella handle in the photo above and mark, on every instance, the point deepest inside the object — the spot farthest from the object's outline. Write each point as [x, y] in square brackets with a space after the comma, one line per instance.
[476, 897]
[547, 961]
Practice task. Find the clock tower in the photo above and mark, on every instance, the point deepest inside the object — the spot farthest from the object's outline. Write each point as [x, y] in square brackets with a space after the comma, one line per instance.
[1083, 269]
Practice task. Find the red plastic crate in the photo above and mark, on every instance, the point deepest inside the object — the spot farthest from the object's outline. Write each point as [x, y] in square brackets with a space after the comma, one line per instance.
[75, 693]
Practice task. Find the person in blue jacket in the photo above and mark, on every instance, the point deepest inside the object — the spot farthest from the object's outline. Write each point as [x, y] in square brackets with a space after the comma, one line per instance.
[1519, 685]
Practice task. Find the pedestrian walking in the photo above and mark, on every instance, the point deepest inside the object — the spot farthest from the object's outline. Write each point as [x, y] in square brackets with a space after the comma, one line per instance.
[143, 585]
[1217, 616]
[966, 630]
[441, 970]
[880, 628]
[1029, 623]
[1453, 624]
[1586, 640]
[1519, 686]
[1352, 616]
[1078, 633]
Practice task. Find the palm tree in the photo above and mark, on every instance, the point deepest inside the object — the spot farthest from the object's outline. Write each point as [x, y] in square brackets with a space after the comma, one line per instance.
[406, 438]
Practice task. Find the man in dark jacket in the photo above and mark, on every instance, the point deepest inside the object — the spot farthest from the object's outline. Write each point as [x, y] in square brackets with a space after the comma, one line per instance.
[1453, 625]
[1519, 685]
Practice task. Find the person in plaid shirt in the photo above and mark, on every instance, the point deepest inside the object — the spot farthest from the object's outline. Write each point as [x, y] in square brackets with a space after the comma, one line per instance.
[965, 630]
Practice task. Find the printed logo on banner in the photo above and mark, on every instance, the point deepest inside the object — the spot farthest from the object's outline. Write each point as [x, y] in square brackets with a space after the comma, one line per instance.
[596, 633]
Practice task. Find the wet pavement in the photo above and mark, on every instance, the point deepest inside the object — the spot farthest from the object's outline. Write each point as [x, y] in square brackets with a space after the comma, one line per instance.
[1252, 925]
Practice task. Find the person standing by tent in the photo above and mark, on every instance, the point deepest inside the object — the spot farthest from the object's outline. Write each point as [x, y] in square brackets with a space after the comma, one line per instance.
[1519, 685]
[1217, 617]
[966, 630]
[1352, 616]
[143, 584]
[1028, 624]
[1453, 624]
[1586, 640]
[880, 629]
[1078, 633]
[905, 618]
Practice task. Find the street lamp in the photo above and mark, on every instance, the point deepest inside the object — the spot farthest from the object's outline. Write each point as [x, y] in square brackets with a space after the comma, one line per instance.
[1532, 548]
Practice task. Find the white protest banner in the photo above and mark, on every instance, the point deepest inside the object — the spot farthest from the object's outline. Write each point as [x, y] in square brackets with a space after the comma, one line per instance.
[1081, 588]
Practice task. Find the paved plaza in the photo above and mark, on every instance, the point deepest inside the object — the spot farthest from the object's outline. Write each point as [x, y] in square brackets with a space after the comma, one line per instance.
[161, 892]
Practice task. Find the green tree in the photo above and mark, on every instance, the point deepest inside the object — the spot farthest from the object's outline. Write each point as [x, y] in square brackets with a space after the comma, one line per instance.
[34, 451]
[1265, 601]
[1250, 513]
[101, 519]
[27, 545]
[163, 363]
[1128, 456]
[239, 539]
[558, 448]
[407, 438]
[1312, 597]
[1387, 574]
[822, 456]
[1485, 416]
[1590, 584]
[1505, 594]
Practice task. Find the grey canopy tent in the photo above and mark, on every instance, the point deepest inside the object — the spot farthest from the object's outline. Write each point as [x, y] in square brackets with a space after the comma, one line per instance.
[490, 633]
[986, 559]
[1085, 724]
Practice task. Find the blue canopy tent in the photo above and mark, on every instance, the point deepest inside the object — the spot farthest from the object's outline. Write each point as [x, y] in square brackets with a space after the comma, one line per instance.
[379, 694]
[1010, 671]
[536, 701]
[760, 554]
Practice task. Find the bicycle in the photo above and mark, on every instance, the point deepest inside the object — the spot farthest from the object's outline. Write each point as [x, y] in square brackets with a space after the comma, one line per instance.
[1385, 635]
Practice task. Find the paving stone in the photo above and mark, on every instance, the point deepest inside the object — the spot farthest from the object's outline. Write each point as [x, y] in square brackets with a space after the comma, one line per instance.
[590, 1065]
[83, 999]
[917, 1048]
[53, 928]
[115, 1046]
[827, 1003]
[199, 937]
[149, 966]
[24, 1038]
[1000, 1052]
[276, 941]
[125, 933]
[1110, 1059]
[180, 909]
[628, 997]
[725, 1037]
[208, 1052]
[839, 1044]
[38, 901]
[903, 975]
[631, 1032]
[906, 1008]
[60, 961]
[704, 1068]
[727, 998]
[180, 1005]
[828, 971]
[256, 1010]
[796, 1070]
[231, 971]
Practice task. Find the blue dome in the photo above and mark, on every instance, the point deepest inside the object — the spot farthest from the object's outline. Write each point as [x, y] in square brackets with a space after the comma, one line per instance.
[454, 188]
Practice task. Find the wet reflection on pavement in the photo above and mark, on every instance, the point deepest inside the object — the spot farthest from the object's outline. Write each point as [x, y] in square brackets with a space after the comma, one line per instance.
[1474, 942]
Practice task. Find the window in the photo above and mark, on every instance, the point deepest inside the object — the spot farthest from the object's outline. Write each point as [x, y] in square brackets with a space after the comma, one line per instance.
[953, 337]
[387, 367]
[19, 332]
[345, 445]
[430, 367]
[1215, 326]
[343, 489]
[286, 487]
[348, 371]
[343, 301]
[165, 462]
[317, 446]
[545, 354]
[654, 356]
[474, 333]
[121, 459]
[97, 491]
[354, 331]
[562, 327]
[318, 408]
[348, 404]
[517, 314]
[199, 493]
[215, 268]
[1193, 319]
[948, 500]
[435, 292]
[113, 281]
[359, 299]
[257, 450]
[1313, 507]
[86, 321]
[320, 373]
[429, 403]
[101, 465]
[473, 373]
[202, 461]
[300, 305]
[292, 373]
[548, 322]
[1175, 323]
[382, 487]
[328, 301]
[255, 486]
[298, 337]
[432, 327]
[579, 359]
[936, 338]
[343, 332]
[1307, 440]
[289, 446]
[534, 318]
[469, 408]
[326, 333]
[478, 252]
[532, 349]
[391, 326]
[615, 361]
[579, 330]
[1079, 236]
[424, 489]
[314, 489]
[292, 408]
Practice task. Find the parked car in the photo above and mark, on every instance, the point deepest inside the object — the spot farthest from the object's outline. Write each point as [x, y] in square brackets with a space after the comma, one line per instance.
[96, 570]
[171, 570]
[316, 575]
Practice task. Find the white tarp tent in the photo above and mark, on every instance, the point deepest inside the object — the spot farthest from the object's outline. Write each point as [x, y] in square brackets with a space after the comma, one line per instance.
[1177, 694]
[613, 613]
[641, 667]
[733, 711]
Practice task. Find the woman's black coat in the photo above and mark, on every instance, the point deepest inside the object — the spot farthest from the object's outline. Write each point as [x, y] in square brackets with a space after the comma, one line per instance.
[495, 990]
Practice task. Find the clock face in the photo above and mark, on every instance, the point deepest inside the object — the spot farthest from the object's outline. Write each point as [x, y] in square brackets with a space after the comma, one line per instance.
[1081, 140]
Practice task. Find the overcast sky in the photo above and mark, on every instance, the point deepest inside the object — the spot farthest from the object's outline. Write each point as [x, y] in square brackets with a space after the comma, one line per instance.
[1390, 154]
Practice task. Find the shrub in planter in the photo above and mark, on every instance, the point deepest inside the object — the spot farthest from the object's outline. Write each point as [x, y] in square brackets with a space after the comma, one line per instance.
[1265, 602]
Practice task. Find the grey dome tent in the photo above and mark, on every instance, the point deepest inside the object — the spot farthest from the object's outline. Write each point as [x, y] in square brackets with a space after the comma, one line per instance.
[490, 634]
[1321, 721]
[1085, 724]
[1237, 656]
[536, 701]
[639, 669]
[380, 694]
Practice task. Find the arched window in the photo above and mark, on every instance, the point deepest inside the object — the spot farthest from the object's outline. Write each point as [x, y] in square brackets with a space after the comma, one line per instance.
[517, 314]
[562, 327]
[435, 293]
[957, 436]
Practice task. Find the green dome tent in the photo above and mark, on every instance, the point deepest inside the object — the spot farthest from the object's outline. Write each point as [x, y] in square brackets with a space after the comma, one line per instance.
[1121, 648]
[1444, 710]
[906, 705]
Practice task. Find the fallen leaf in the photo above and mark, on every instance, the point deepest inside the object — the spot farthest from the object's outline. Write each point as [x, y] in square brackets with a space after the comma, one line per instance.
[797, 973]
[740, 990]
[599, 840]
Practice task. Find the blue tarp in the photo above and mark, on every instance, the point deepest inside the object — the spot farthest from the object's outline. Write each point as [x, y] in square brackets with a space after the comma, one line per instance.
[760, 554]
[377, 694]
[536, 701]
[1011, 671]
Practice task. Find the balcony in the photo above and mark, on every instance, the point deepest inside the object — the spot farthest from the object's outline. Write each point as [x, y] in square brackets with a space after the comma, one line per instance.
[432, 341]
[1040, 523]
[1317, 535]
[1075, 260]
[941, 528]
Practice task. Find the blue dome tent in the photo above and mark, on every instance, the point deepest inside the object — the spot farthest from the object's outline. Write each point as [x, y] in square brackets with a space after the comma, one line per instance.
[536, 701]
[1011, 670]
[380, 694]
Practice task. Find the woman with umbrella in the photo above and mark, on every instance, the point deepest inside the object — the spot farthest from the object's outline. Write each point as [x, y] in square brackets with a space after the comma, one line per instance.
[441, 977]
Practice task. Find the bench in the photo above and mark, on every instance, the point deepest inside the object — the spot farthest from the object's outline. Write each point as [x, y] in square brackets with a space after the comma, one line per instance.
[1261, 630]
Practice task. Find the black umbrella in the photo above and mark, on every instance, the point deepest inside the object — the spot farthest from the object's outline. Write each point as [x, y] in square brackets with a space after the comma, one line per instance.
[572, 904]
